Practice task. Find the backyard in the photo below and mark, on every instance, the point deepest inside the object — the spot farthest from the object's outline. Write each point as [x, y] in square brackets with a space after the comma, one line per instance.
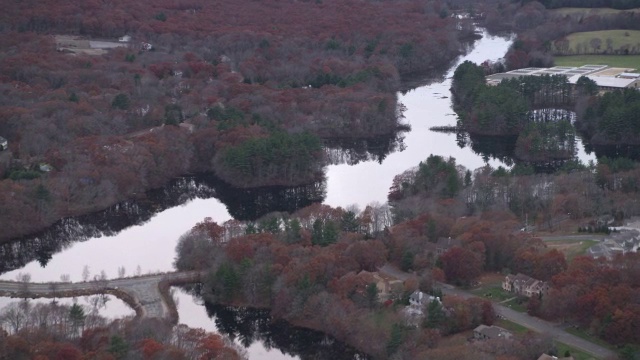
[571, 247]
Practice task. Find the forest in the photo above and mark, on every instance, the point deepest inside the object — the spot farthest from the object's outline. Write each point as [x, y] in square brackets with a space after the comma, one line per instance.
[315, 267]
[72, 332]
[523, 108]
[612, 118]
[614, 4]
[198, 88]
[328, 285]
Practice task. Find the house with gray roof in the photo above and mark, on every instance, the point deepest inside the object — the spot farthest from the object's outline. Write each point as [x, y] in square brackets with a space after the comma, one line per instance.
[621, 242]
[522, 284]
[445, 244]
[484, 332]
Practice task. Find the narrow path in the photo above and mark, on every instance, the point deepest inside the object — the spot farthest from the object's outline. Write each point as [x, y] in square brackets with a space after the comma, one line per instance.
[506, 300]
[148, 295]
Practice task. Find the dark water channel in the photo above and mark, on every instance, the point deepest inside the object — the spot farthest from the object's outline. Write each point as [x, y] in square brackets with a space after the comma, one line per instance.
[140, 236]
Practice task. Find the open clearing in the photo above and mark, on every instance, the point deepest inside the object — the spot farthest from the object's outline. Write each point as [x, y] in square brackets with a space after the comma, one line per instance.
[610, 41]
[571, 248]
[623, 61]
[77, 45]
[588, 12]
[577, 354]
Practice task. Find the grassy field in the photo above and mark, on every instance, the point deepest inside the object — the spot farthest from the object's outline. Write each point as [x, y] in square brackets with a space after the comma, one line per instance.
[490, 287]
[619, 38]
[571, 248]
[583, 334]
[587, 11]
[514, 305]
[492, 292]
[577, 354]
[623, 61]
[511, 326]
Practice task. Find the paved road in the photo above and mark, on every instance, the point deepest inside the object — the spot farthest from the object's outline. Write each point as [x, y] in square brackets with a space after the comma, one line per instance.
[142, 293]
[538, 325]
[530, 322]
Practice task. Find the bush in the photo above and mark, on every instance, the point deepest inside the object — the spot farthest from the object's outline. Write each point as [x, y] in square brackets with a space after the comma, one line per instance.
[121, 101]
[24, 175]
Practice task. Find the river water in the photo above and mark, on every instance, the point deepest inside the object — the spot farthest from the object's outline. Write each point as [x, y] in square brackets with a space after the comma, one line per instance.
[149, 247]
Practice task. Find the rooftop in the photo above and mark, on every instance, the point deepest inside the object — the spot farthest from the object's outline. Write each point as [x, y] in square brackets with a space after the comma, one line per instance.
[493, 332]
[603, 75]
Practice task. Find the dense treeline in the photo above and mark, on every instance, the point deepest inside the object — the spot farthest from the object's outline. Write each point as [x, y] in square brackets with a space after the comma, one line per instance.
[516, 108]
[612, 118]
[55, 331]
[487, 244]
[435, 176]
[576, 191]
[280, 158]
[276, 264]
[198, 80]
[600, 295]
[614, 4]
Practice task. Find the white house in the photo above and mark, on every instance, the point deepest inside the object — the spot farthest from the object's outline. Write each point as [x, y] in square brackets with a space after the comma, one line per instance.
[420, 299]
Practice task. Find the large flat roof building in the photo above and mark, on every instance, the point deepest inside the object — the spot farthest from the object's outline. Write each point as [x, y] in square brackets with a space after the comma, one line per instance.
[607, 78]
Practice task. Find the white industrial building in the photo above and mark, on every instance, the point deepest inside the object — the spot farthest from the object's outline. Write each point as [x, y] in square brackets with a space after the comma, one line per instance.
[607, 78]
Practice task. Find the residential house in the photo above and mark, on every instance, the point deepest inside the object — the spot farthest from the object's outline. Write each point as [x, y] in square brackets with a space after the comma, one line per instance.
[389, 287]
[616, 243]
[522, 284]
[550, 357]
[4, 144]
[419, 299]
[484, 332]
[445, 244]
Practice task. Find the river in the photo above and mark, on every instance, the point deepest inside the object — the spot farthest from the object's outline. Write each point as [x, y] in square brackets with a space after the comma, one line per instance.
[149, 246]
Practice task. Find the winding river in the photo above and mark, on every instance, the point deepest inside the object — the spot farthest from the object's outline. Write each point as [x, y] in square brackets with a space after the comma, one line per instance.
[149, 246]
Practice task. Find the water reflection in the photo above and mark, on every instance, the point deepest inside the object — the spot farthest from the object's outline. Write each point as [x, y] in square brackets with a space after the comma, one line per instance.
[547, 143]
[249, 325]
[614, 151]
[500, 148]
[252, 203]
[353, 151]
[242, 204]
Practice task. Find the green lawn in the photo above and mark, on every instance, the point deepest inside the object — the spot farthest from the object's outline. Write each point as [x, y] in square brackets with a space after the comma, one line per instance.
[571, 248]
[588, 11]
[492, 292]
[577, 354]
[513, 304]
[583, 334]
[511, 326]
[624, 61]
[580, 42]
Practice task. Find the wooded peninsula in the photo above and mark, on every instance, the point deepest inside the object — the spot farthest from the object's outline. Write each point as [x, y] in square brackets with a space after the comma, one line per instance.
[248, 90]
